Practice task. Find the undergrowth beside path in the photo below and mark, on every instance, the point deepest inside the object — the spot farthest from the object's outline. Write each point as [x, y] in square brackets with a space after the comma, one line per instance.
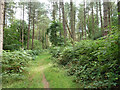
[42, 73]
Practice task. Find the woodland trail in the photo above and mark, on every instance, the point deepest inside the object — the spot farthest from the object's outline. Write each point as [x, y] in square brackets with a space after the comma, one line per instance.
[43, 73]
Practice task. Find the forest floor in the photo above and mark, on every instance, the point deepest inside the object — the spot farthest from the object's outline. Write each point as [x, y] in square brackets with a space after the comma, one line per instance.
[43, 73]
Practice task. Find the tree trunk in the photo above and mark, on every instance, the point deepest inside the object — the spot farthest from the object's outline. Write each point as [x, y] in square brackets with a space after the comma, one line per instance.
[33, 30]
[72, 19]
[88, 25]
[101, 16]
[54, 11]
[60, 13]
[23, 28]
[28, 41]
[119, 14]
[109, 15]
[63, 15]
[84, 20]
[74, 23]
[119, 31]
[1, 32]
[4, 14]
[93, 31]
[97, 21]
[105, 7]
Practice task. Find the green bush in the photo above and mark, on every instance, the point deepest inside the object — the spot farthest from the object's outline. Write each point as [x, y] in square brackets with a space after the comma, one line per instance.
[94, 63]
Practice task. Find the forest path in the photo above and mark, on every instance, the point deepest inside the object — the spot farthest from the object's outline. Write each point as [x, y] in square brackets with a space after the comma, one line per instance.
[43, 73]
[36, 71]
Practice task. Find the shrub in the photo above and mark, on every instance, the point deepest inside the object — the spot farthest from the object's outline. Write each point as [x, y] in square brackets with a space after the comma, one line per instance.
[94, 63]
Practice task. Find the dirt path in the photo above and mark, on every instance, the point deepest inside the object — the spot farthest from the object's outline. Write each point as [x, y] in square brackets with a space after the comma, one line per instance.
[45, 82]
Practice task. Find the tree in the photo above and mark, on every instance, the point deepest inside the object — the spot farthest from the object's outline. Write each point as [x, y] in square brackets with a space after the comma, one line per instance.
[63, 15]
[28, 41]
[101, 19]
[23, 27]
[93, 31]
[33, 28]
[1, 26]
[85, 18]
[72, 19]
[105, 7]
[119, 14]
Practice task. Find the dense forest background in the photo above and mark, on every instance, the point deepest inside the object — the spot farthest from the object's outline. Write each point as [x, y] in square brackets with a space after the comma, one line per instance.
[83, 38]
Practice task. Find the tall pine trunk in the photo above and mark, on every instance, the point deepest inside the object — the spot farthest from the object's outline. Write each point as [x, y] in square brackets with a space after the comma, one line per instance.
[63, 16]
[23, 28]
[97, 21]
[101, 20]
[109, 15]
[60, 13]
[105, 7]
[84, 19]
[1, 29]
[33, 29]
[28, 41]
[72, 19]
[93, 31]
[5, 4]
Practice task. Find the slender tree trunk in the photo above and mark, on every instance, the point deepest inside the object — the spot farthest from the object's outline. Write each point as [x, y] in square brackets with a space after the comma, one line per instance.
[97, 21]
[88, 25]
[109, 15]
[23, 28]
[28, 41]
[119, 31]
[119, 15]
[54, 11]
[1, 33]
[93, 31]
[72, 19]
[60, 13]
[84, 19]
[105, 7]
[82, 31]
[101, 16]
[5, 4]
[74, 23]
[33, 30]
[63, 15]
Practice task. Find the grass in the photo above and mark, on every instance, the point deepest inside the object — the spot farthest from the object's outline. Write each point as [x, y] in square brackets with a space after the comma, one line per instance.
[56, 76]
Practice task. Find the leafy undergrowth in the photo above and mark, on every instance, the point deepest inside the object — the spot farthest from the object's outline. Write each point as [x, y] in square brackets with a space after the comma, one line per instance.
[93, 63]
[31, 77]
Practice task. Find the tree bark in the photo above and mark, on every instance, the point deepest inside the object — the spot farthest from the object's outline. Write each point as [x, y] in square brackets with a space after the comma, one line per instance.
[84, 20]
[60, 14]
[23, 28]
[101, 20]
[4, 14]
[97, 21]
[109, 15]
[119, 15]
[72, 19]
[33, 30]
[105, 7]
[54, 11]
[28, 41]
[63, 15]
[93, 31]
[1, 33]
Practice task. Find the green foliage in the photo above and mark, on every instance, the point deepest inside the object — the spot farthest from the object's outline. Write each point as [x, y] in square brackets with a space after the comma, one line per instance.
[13, 36]
[94, 63]
[54, 33]
[14, 63]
